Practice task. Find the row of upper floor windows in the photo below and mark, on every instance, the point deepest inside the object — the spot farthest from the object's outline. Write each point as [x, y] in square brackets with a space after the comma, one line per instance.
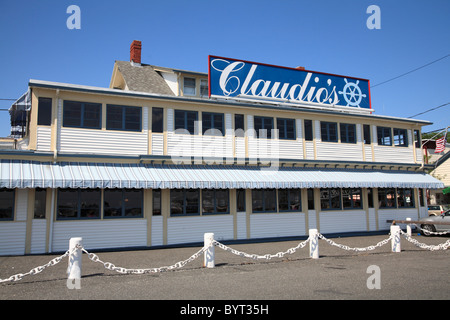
[128, 118]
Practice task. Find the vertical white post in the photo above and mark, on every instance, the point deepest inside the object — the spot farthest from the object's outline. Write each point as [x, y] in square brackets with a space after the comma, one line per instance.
[208, 261]
[74, 267]
[314, 243]
[408, 227]
[395, 242]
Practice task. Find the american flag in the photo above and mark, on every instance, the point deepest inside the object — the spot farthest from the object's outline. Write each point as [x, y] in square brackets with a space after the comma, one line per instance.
[440, 145]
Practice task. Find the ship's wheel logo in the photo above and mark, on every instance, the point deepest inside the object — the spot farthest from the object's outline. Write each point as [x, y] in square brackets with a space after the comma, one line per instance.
[352, 93]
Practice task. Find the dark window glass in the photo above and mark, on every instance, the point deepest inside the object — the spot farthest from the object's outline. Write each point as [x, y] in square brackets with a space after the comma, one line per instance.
[204, 88]
[239, 128]
[189, 87]
[213, 124]
[240, 200]
[123, 203]
[286, 128]
[156, 202]
[367, 135]
[184, 202]
[78, 203]
[384, 136]
[311, 205]
[400, 137]
[186, 120]
[82, 115]
[330, 199]
[370, 197]
[387, 197]
[40, 196]
[421, 195]
[263, 127]
[289, 199]
[264, 200]
[348, 132]
[417, 139]
[45, 112]
[157, 120]
[405, 198]
[215, 201]
[351, 198]
[7, 204]
[308, 130]
[328, 131]
[123, 118]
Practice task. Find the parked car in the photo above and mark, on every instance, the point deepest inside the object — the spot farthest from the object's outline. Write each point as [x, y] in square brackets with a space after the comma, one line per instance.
[437, 210]
[430, 227]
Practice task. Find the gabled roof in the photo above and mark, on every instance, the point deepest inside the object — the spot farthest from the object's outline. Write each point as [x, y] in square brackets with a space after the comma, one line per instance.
[142, 78]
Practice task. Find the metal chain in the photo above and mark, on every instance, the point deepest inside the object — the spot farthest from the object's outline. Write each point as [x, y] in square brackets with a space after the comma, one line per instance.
[39, 269]
[369, 248]
[110, 266]
[441, 246]
[255, 256]
[427, 232]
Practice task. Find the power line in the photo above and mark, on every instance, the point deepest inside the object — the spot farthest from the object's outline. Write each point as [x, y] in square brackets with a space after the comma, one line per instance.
[404, 74]
[442, 105]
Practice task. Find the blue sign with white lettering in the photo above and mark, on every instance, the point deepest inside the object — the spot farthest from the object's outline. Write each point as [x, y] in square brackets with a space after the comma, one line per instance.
[260, 82]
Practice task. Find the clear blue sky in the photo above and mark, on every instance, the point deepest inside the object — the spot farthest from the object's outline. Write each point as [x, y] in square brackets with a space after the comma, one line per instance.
[323, 35]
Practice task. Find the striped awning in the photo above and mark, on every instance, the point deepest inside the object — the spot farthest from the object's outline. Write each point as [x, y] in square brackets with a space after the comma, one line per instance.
[34, 174]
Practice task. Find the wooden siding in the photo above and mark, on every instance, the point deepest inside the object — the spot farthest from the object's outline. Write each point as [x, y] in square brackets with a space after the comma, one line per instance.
[342, 221]
[268, 225]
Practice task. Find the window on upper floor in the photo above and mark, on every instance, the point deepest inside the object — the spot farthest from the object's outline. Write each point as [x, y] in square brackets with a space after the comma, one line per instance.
[157, 120]
[189, 87]
[400, 137]
[44, 111]
[417, 139]
[308, 130]
[384, 136]
[123, 118]
[348, 132]
[82, 115]
[328, 131]
[185, 120]
[263, 127]
[367, 135]
[213, 124]
[204, 92]
[286, 129]
[239, 127]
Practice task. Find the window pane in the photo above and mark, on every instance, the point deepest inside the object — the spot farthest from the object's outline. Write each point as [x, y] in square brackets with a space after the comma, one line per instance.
[257, 200]
[208, 201]
[348, 133]
[400, 137]
[40, 196]
[270, 197]
[132, 199]
[176, 201]
[295, 199]
[325, 198]
[112, 202]
[132, 118]
[335, 198]
[90, 203]
[311, 199]
[192, 202]
[189, 86]
[45, 111]
[222, 201]
[239, 129]
[72, 114]
[283, 200]
[156, 202]
[67, 203]
[286, 128]
[180, 119]
[308, 130]
[204, 88]
[384, 136]
[367, 139]
[240, 199]
[6, 204]
[157, 119]
[114, 117]
[92, 115]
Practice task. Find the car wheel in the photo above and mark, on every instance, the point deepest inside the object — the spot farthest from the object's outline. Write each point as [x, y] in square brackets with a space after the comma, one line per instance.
[427, 228]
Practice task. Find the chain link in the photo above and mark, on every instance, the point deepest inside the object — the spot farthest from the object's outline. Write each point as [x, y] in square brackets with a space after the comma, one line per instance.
[344, 247]
[441, 246]
[110, 266]
[267, 256]
[428, 232]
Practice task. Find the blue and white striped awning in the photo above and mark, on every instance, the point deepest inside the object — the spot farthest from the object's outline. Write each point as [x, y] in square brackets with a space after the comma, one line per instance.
[34, 174]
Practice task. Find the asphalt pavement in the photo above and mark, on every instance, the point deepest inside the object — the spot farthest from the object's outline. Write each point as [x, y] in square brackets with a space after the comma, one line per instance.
[338, 274]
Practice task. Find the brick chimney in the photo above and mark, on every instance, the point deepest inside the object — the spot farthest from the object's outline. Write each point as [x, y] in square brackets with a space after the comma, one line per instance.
[135, 51]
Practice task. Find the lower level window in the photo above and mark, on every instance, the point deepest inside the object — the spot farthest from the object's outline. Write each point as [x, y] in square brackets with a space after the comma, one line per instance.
[184, 202]
[289, 200]
[405, 198]
[6, 204]
[215, 201]
[264, 200]
[386, 198]
[123, 203]
[330, 198]
[79, 203]
[351, 199]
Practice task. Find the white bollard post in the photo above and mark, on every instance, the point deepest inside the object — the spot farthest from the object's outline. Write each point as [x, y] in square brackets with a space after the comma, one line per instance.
[74, 266]
[395, 242]
[408, 227]
[314, 243]
[208, 261]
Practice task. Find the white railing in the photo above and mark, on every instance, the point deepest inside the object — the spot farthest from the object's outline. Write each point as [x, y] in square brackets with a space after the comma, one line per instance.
[76, 250]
